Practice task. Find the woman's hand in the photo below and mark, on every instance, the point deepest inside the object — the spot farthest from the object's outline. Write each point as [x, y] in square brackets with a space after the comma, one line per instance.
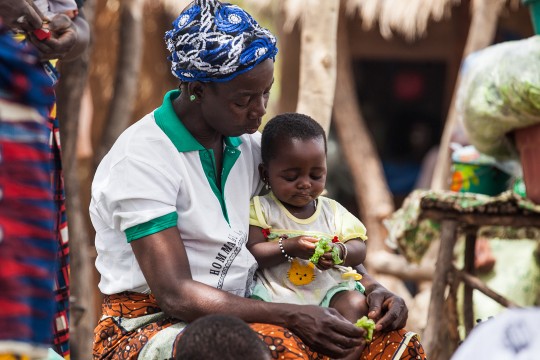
[326, 331]
[63, 38]
[388, 310]
[20, 14]
[69, 38]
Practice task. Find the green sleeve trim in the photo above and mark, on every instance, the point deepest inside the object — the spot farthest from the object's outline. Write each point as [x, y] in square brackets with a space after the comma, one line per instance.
[151, 227]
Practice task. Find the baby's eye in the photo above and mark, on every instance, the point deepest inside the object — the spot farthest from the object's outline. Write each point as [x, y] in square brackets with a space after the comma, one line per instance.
[290, 178]
[316, 177]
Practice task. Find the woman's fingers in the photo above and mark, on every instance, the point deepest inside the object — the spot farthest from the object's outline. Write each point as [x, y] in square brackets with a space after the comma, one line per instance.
[19, 14]
[395, 316]
[388, 310]
[327, 332]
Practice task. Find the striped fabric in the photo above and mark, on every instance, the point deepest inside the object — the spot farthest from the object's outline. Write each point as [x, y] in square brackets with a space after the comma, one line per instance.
[34, 253]
[61, 317]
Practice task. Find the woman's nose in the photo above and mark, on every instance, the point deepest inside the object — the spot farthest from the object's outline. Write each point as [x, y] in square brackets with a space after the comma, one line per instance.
[259, 107]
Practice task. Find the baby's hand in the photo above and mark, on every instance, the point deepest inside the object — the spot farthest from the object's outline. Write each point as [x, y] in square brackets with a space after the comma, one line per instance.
[300, 246]
[325, 261]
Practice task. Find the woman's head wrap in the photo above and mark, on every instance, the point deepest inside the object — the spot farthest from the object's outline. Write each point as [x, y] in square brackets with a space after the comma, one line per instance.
[214, 41]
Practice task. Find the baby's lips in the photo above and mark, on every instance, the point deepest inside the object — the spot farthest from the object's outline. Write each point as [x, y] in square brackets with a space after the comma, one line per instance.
[42, 34]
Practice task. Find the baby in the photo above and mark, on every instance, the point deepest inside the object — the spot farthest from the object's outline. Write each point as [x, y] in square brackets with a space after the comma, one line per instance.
[287, 224]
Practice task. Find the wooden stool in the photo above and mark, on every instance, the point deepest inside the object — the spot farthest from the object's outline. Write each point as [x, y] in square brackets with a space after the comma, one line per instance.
[440, 341]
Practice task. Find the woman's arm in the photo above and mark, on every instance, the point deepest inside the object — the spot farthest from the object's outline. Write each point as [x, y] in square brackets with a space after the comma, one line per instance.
[387, 309]
[163, 260]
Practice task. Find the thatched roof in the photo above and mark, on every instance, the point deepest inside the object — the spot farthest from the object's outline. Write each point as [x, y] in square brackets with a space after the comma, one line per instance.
[408, 18]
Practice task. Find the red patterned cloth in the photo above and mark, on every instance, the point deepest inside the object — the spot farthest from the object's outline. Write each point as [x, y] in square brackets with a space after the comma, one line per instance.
[33, 214]
[61, 289]
[114, 339]
[28, 244]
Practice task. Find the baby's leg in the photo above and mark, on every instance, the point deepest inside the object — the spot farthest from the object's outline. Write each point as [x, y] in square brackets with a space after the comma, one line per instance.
[352, 305]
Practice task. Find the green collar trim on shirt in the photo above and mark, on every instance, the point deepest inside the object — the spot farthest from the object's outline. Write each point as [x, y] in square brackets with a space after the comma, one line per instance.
[208, 162]
[172, 126]
[182, 139]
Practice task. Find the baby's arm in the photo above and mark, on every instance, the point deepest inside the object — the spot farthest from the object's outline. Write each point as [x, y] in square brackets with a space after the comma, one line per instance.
[356, 252]
[268, 253]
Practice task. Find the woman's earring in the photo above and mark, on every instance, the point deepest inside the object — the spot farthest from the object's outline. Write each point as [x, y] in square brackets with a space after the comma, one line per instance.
[192, 98]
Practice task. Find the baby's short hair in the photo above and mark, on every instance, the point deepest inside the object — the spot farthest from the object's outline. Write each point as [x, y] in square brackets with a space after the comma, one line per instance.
[220, 337]
[288, 126]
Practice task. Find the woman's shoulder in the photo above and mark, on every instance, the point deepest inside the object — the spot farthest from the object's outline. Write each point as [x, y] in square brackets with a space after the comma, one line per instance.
[142, 140]
[251, 141]
[143, 133]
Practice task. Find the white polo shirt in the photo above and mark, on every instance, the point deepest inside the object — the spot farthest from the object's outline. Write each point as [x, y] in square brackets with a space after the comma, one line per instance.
[157, 176]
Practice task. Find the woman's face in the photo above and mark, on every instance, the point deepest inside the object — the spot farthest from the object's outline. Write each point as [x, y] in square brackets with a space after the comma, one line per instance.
[236, 107]
[297, 172]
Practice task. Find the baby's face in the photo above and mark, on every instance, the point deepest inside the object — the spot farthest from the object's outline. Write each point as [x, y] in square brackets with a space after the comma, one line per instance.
[297, 173]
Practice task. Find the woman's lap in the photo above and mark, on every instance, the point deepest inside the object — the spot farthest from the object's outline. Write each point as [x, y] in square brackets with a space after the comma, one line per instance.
[133, 325]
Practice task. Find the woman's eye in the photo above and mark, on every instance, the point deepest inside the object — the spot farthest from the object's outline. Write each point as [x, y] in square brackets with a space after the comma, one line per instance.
[242, 102]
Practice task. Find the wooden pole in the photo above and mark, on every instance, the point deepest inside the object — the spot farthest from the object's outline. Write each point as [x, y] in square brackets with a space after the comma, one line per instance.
[436, 333]
[318, 60]
[485, 14]
[470, 244]
[127, 75]
[372, 193]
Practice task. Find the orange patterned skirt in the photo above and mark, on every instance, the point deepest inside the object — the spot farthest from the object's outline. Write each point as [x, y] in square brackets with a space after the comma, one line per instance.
[132, 326]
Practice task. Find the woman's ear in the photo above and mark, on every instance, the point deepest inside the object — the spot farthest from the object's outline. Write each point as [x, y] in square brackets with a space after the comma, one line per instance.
[195, 90]
[263, 173]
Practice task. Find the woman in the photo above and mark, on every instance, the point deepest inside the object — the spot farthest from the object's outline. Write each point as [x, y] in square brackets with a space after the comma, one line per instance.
[170, 205]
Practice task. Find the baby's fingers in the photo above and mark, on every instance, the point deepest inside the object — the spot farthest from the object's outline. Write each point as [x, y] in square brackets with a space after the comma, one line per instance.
[325, 263]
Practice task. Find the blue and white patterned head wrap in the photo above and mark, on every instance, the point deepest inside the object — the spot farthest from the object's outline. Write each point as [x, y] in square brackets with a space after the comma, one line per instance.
[214, 42]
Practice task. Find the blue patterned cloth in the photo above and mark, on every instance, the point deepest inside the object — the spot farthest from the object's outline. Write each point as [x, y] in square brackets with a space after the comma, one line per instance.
[28, 240]
[22, 78]
[214, 42]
